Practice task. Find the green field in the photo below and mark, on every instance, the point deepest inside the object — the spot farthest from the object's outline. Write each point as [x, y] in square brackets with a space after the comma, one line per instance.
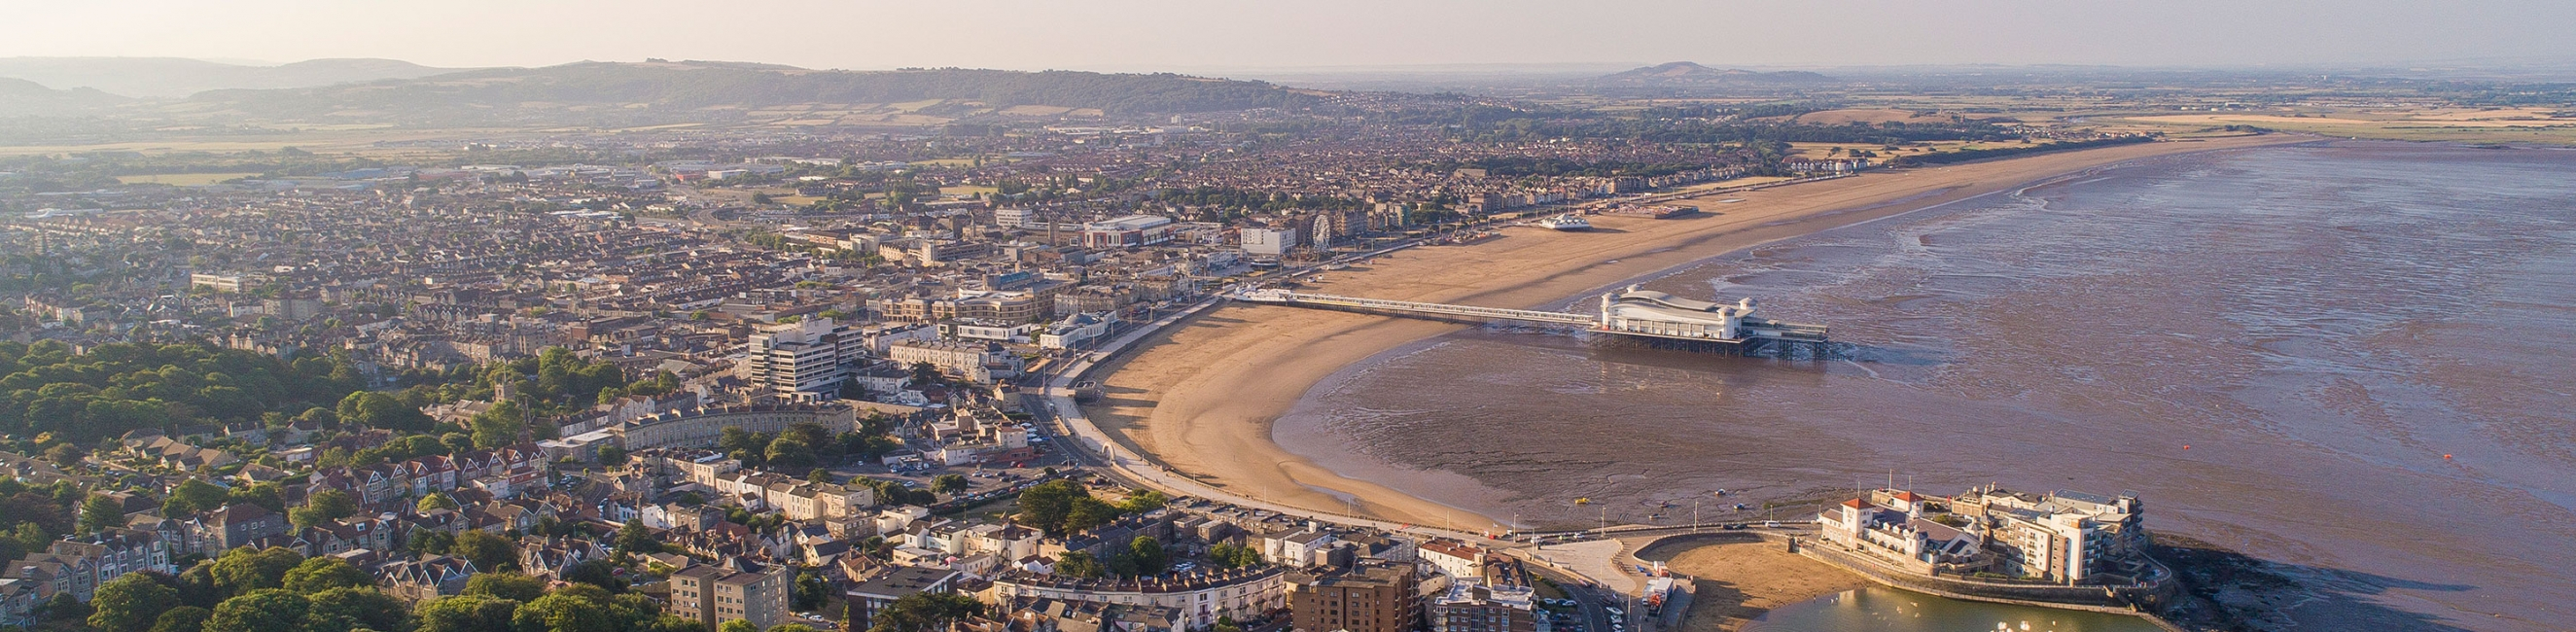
[183, 179]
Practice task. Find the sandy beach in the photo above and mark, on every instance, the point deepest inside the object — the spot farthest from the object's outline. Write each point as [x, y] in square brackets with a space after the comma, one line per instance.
[1201, 397]
[1738, 579]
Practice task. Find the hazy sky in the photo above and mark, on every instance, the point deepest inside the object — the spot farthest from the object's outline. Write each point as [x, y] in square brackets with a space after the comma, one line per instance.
[1210, 34]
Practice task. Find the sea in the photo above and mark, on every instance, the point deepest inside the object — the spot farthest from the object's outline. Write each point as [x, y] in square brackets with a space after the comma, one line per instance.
[2355, 360]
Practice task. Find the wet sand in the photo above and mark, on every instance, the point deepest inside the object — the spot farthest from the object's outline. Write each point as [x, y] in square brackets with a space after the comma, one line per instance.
[1202, 397]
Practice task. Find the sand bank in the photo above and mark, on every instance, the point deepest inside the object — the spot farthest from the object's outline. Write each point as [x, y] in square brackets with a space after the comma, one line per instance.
[1201, 397]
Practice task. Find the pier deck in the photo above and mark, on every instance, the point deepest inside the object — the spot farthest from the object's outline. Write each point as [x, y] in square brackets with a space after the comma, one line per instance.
[1753, 333]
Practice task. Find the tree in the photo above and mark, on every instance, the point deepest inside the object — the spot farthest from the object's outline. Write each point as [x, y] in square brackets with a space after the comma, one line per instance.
[601, 573]
[925, 612]
[182, 619]
[1148, 554]
[131, 603]
[100, 512]
[735, 441]
[1143, 501]
[191, 496]
[65, 455]
[265, 610]
[789, 452]
[737, 625]
[241, 571]
[1221, 556]
[466, 613]
[323, 507]
[197, 587]
[1225, 556]
[431, 541]
[351, 608]
[488, 552]
[457, 441]
[948, 484]
[433, 502]
[792, 627]
[1078, 564]
[1088, 512]
[1247, 557]
[810, 593]
[511, 586]
[670, 623]
[563, 613]
[266, 495]
[63, 607]
[1046, 504]
[924, 373]
[500, 425]
[635, 538]
[318, 574]
[378, 410]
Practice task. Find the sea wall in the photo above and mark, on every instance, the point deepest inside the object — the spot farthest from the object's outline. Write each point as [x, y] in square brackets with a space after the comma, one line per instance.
[2115, 599]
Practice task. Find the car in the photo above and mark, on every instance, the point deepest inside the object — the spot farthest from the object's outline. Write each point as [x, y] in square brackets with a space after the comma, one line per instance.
[1770, 524]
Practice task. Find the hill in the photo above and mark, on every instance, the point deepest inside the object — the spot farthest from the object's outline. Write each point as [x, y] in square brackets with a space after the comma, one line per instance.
[1683, 74]
[172, 77]
[627, 90]
[20, 97]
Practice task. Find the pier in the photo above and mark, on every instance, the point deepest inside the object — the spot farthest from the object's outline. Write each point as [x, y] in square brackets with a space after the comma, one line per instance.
[1632, 316]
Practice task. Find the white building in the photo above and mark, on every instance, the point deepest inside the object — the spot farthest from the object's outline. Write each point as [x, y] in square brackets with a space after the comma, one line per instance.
[978, 362]
[1201, 597]
[801, 357]
[1656, 313]
[1267, 241]
[1077, 330]
[1132, 230]
[1295, 548]
[1453, 558]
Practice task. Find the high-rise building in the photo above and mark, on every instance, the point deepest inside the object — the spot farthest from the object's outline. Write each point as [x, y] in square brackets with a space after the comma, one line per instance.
[713, 594]
[1367, 597]
[801, 357]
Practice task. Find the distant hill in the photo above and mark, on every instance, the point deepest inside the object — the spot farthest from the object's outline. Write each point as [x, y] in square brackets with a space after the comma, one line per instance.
[20, 97]
[172, 77]
[1682, 74]
[602, 90]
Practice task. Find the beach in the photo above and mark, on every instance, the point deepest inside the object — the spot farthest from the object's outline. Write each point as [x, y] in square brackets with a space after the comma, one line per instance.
[1740, 579]
[1201, 397]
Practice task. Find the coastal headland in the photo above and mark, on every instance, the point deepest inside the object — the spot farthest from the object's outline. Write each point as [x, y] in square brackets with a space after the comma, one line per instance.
[1200, 397]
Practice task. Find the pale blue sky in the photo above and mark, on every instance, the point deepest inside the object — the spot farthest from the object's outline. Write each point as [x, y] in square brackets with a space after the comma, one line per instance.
[1207, 35]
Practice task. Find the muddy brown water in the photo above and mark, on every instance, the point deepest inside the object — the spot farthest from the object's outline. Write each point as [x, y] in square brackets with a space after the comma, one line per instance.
[2355, 359]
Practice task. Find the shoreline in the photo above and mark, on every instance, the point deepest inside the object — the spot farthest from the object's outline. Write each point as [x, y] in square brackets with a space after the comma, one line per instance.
[1204, 398]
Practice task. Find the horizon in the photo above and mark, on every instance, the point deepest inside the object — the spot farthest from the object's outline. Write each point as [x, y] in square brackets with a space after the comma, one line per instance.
[1145, 35]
